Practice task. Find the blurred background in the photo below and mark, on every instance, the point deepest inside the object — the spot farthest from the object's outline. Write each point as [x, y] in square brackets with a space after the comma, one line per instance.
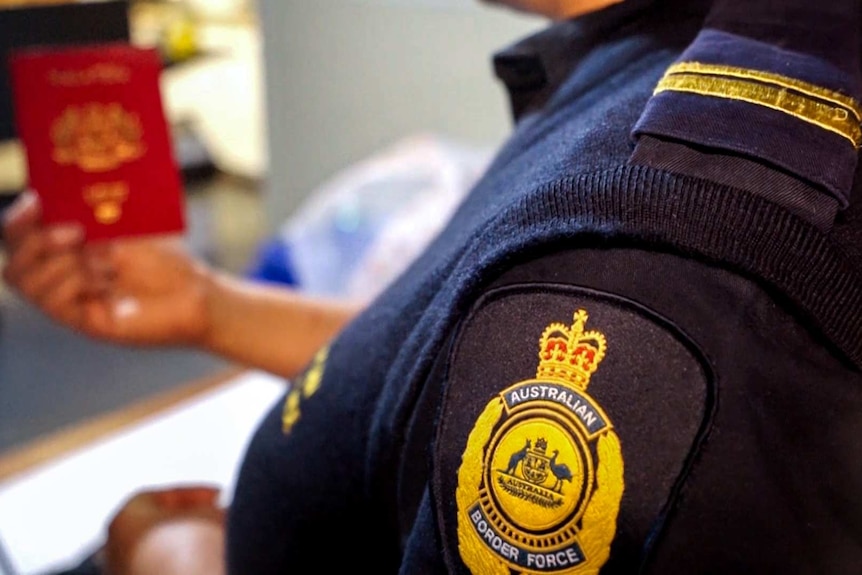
[321, 144]
[270, 102]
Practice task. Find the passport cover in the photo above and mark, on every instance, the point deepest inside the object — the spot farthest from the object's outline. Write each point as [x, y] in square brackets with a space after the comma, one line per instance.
[98, 146]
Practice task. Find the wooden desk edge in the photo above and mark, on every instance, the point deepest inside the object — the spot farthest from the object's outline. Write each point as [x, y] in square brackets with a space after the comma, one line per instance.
[24, 3]
[74, 437]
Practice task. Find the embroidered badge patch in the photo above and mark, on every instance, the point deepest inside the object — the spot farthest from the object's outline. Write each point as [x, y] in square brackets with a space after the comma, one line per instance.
[541, 478]
[303, 388]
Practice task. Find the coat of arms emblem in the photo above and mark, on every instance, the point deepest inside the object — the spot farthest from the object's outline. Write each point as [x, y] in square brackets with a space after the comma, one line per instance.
[541, 479]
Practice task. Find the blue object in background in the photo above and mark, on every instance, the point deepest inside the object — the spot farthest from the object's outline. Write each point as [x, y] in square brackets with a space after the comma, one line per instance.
[358, 231]
[273, 263]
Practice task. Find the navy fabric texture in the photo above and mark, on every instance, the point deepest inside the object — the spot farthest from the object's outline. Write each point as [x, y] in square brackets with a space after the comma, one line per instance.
[534, 68]
[818, 156]
[302, 491]
[750, 282]
[827, 31]
[422, 555]
[738, 171]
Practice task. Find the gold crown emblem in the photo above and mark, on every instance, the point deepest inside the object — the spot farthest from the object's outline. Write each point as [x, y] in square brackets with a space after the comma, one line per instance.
[569, 354]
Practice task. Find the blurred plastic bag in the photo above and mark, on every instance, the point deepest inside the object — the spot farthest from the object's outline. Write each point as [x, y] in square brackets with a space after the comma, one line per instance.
[359, 231]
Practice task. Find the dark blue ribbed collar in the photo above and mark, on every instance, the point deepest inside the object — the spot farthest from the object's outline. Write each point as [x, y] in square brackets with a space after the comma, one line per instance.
[535, 67]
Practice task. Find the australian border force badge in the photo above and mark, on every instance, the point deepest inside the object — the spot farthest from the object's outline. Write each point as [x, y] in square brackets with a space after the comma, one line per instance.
[541, 478]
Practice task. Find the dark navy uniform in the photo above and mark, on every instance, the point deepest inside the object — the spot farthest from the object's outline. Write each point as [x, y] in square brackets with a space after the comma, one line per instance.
[636, 346]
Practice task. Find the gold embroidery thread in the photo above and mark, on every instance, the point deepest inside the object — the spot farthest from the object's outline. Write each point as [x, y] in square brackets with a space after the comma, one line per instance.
[303, 388]
[827, 109]
[541, 478]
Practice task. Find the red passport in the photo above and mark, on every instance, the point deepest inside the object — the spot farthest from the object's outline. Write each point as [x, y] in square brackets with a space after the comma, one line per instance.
[97, 142]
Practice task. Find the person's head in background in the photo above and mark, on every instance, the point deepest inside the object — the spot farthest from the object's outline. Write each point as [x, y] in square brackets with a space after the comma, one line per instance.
[556, 9]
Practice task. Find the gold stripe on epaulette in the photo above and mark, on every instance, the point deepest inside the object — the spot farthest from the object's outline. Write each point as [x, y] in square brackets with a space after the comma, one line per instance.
[830, 110]
[770, 78]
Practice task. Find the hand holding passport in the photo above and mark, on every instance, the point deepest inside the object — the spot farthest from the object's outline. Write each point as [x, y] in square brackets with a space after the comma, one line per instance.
[98, 146]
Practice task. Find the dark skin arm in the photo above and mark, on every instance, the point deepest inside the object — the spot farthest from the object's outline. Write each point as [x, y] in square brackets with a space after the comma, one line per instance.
[152, 292]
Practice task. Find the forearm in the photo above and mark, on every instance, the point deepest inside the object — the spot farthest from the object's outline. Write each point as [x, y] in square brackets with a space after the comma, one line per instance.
[270, 328]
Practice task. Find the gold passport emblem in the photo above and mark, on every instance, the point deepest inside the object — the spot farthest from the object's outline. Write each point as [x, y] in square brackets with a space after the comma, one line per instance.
[106, 200]
[541, 478]
[97, 137]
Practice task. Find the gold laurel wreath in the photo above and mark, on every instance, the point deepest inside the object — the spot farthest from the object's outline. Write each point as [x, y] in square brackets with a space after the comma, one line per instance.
[600, 518]
[473, 551]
